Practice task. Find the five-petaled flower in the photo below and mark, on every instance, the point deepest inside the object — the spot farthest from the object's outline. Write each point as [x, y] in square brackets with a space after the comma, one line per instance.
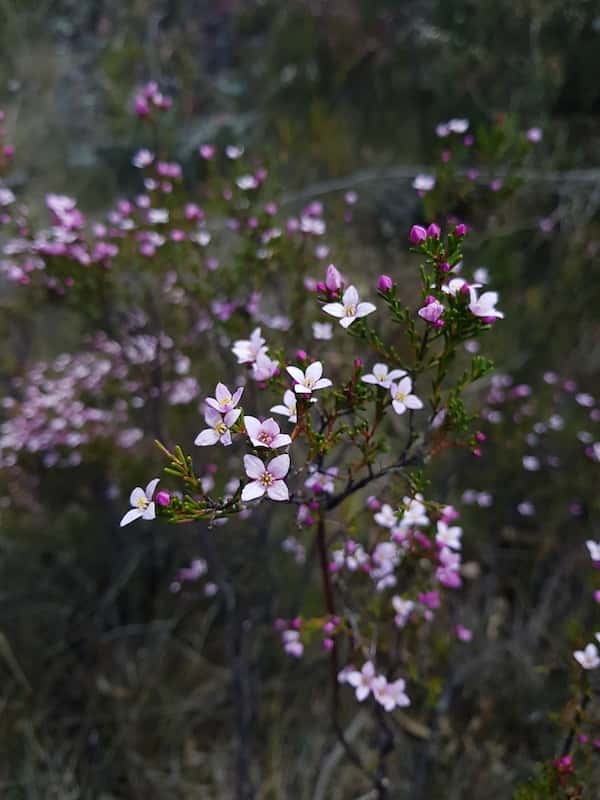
[224, 401]
[588, 658]
[288, 407]
[267, 478]
[310, 380]
[402, 397]
[218, 427]
[349, 309]
[266, 434]
[485, 305]
[143, 506]
[362, 681]
[383, 376]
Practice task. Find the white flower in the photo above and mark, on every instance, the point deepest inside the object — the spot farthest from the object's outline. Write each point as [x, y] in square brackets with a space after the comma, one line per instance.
[415, 513]
[383, 376]
[158, 216]
[143, 506]
[594, 549]
[309, 381]
[423, 183]
[143, 158]
[362, 681]
[349, 309]
[322, 330]
[484, 306]
[288, 408]
[248, 350]
[448, 536]
[386, 516]
[218, 427]
[245, 182]
[403, 609]
[588, 658]
[267, 478]
[458, 125]
[454, 286]
[402, 397]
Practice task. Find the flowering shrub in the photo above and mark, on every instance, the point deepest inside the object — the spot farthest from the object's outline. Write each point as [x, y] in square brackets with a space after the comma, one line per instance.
[300, 395]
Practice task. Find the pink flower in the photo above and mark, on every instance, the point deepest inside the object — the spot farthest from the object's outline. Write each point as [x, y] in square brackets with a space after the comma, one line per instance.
[448, 536]
[390, 695]
[142, 505]
[267, 478]
[432, 311]
[310, 380]
[218, 427]
[350, 309]
[266, 434]
[417, 234]
[385, 283]
[264, 367]
[402, 397]
[224, 401]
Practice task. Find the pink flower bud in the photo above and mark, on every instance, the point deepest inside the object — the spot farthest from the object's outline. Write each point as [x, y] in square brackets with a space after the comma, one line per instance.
[207, 151]
[434, 231]
[321, 288]
[163, 498]
[476, 452]
[301, 355]
[333, 279]
[461, 230]
[385, 283]
[417, 234]
[142, 108]
[444, 267]
[328, 644]
[357, 363]
[481, 437]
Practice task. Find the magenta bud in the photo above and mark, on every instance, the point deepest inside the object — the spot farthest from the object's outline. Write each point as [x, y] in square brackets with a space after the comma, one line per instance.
[464, 289]
[439, 323]
[476, 452]
[434, 231]
[461, 230]
[333, 279]
[301, 355]
[481, 437]
[385, 283]
[358, 363]
[444, 267]
[321, 288]
[597, 595]
[328, 644]
[429, 299]
[417, 234]
[163, 498]
[489, 320]
[141, 107]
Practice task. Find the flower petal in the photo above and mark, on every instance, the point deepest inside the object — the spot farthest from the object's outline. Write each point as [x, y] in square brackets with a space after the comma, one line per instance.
[334, 309]
[413, 402]
[365, 308]
[347, 321]
[150, 512]
[131, 516]
[137, 494]
[314, 371]
[350, 296]
[279, 466]
[254, 466]
[295, 373]
[252, 490]
[206, 437]
[150, 488]
[278, 491]
[252, 425]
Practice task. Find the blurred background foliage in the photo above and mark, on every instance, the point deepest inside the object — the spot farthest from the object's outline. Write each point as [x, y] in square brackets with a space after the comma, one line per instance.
[114, 687]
